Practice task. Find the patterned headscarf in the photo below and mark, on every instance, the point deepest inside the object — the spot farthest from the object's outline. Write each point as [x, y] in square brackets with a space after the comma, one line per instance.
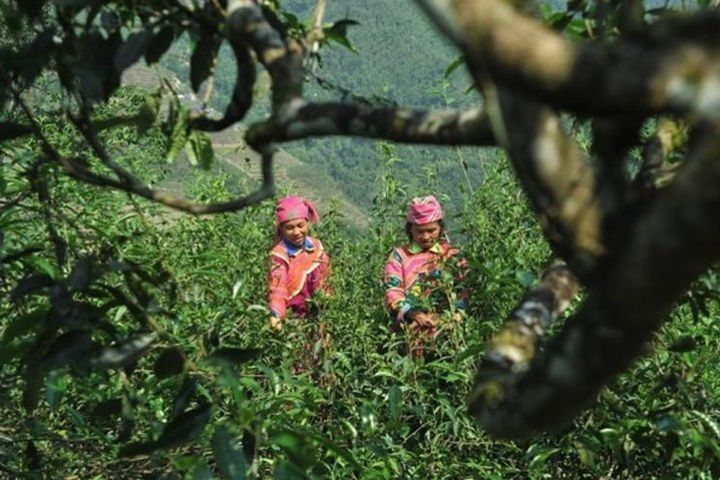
[423, 210]
[290, 208]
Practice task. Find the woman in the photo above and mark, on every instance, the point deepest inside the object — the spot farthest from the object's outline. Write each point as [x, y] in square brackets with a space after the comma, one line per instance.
[299, 266]
[422, 276]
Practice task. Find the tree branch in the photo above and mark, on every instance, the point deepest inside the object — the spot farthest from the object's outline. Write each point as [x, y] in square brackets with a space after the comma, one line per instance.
[676, 239]
[669, 136]
[643, 75]
[242, 96]
[557, 178]
[282, 60]
[441, 127]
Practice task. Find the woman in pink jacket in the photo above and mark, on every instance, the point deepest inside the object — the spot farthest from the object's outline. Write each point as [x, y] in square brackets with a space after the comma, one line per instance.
[422, 276]
[299, 266]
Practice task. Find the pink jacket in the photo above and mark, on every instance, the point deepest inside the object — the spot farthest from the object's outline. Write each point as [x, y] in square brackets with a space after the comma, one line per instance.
[408, 272]
[296, 273]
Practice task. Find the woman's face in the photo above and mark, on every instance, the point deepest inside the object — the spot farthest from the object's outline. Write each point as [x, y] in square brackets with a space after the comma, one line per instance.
[426, 235]
[295, 231]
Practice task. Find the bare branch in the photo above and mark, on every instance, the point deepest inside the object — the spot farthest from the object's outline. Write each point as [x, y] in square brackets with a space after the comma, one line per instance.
[641, 75]
[440, 127]
[676, 239]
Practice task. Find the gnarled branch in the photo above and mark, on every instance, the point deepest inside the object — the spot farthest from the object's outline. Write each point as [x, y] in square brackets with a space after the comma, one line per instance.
[676, 239]
[441, 127]
[641, 75]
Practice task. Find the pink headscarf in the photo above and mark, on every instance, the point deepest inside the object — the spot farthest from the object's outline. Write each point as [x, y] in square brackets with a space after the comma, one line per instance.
[423, 210]
[292, 207]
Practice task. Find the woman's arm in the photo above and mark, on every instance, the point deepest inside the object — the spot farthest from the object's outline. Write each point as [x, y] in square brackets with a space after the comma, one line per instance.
[277, 287]
[395, 299]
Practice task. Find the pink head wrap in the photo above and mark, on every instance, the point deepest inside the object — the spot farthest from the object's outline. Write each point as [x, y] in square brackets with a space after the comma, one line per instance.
[290, 208]
[422, 210]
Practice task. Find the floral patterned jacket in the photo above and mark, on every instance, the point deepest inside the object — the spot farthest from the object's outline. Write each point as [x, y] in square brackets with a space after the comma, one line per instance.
[428, 281]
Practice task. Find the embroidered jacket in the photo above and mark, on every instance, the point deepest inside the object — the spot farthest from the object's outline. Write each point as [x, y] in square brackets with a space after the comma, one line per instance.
[296, 273]
[419, 280]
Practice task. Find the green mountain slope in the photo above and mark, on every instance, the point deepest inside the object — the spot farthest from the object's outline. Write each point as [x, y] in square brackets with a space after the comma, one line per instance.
[240, 164]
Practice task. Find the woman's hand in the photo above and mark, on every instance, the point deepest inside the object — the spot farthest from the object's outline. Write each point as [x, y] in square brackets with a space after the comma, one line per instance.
[275, 324]
[423, 319]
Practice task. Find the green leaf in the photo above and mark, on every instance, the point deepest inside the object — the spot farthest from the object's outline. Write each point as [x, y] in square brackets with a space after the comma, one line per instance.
[11, 130]
[199, 150]
[159, 44]
[202, 60]
[185, 427]
[187, 391]
[132, 49]
[230, 462]
[395, 400]
[67, 348]
[525, 278]
[298, 448]
[179, 134]
[30, 285]
[23, 324]
[123, 353]
[180, 430]
[171, 362]
[337, 32]
[234, 356]
[454, 65]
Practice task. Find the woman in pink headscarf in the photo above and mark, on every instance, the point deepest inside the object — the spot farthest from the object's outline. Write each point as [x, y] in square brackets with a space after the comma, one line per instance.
[299, 266]
[417, 275]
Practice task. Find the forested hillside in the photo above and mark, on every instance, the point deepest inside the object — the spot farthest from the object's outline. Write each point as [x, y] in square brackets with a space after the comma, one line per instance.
[135, 340]
[398, 58]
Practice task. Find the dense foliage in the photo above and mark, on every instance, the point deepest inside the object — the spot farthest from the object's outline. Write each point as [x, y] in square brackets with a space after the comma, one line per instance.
[214, 390]
[134, 342]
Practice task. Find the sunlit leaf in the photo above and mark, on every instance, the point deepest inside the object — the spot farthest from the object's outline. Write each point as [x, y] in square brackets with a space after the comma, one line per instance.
[179, 134]
[337, 32]
[202, 149]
